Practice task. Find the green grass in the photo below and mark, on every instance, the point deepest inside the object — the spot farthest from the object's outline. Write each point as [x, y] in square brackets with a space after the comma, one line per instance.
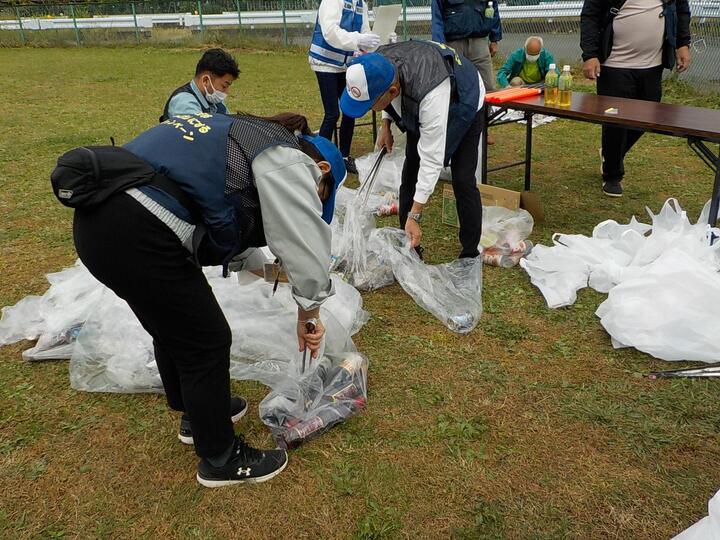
[530, 427]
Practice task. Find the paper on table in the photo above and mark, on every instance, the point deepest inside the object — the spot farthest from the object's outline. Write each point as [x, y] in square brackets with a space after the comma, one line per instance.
[386, 18]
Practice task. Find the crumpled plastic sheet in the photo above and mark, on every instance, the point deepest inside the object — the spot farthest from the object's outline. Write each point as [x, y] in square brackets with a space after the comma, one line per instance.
[55, 318]
[537, 119]
[708, 528]
[504, 227]
[662, 280]
[113, 353]
[452, 292]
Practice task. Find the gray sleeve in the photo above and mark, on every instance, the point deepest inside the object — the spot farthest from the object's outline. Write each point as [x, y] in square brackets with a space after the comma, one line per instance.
[286, 181]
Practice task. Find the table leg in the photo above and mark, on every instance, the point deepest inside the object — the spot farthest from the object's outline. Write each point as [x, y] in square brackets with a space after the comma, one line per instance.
[528, 148]
[712, 160]
[715, 201]
[483, 138]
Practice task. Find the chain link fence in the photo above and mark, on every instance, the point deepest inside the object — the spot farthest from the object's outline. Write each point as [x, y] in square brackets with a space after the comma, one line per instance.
[289, 23]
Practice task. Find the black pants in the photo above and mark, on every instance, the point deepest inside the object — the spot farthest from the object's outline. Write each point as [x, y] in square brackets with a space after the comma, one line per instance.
[467, 197]
[137, 256]
[645, 84]
[331, 88]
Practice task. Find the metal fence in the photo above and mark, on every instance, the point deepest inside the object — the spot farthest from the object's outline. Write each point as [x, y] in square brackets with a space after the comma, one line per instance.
[289, 23]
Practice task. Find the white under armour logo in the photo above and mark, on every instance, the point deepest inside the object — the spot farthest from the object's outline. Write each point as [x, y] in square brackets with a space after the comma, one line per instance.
[242, 471]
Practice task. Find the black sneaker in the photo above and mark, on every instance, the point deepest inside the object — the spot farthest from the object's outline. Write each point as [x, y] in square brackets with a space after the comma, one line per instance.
[350, 165]
[246, 465]
[612, 189]
[238, 408]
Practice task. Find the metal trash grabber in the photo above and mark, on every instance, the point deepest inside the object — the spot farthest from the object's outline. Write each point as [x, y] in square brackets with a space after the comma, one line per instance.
[366, 188]
[696, 372]
[310, 328]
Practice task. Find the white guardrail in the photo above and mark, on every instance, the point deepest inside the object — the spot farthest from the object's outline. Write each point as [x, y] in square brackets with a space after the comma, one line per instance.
[555, 10]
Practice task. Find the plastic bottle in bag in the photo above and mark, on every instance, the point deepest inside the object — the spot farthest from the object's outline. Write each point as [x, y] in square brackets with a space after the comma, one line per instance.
[506, 257]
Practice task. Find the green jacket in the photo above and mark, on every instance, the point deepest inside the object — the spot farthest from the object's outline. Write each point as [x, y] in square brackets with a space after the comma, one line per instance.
[515, 62]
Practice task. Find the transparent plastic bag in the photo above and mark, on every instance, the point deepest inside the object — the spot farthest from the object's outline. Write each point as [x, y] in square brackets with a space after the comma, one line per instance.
[361, 267]
[502, 227]
[332, 391]
[390, 172]
[56, 317]
[452, 292]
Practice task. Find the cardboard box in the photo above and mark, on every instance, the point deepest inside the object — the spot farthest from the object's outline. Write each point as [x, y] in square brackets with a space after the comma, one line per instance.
[490, 195]
[495, 196]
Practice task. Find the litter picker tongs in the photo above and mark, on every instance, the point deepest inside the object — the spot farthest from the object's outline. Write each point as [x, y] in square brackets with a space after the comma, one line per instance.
[310, 328]
[696, 372]
[366, 187]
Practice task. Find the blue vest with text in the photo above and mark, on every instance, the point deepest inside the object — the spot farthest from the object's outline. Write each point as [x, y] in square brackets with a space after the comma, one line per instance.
[351, 21]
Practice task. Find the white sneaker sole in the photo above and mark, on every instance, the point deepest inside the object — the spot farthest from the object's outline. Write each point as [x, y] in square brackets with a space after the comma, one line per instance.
[189, 440]
[616, 195]
[258, 480]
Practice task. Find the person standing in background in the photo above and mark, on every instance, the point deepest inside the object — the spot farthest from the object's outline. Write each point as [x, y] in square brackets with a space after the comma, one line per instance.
[626, 44]
[341, 29]
[473, 29]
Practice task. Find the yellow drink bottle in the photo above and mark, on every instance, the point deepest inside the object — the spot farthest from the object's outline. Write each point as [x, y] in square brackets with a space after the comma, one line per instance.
[551, 86]
[565, 87]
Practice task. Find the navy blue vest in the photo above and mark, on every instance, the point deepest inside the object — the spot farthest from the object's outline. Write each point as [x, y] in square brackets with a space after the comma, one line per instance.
[187, 89]
[422, 66]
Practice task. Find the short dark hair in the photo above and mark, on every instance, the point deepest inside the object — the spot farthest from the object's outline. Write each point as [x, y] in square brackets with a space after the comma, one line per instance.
[218, 62]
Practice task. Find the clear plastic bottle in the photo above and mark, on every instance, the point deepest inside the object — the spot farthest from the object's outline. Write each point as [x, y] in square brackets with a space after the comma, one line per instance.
[551, 86]
[565, 87]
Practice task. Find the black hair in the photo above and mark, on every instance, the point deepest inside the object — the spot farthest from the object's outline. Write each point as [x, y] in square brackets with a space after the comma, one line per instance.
[218, 62]
[295, 122]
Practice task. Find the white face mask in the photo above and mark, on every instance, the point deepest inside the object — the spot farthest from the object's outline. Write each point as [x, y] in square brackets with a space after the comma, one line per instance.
[532, 57]
[216, 96]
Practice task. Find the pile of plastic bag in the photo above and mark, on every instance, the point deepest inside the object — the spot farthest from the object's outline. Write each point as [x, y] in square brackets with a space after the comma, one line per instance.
[708, 528]
[662, 280]
[537, 119]
[80, 319]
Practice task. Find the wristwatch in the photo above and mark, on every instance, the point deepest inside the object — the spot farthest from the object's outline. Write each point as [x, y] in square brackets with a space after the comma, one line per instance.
[415, 216]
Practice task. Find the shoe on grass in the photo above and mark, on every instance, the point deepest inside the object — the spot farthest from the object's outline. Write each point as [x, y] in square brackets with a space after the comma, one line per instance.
[350, 165]
[612, 189]
[246, 465]
[238, 408]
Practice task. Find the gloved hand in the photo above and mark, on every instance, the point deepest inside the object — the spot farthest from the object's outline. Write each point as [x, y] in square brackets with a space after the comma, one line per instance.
[368, 42]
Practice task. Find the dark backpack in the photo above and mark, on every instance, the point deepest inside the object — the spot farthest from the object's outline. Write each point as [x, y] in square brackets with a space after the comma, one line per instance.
[88, 175]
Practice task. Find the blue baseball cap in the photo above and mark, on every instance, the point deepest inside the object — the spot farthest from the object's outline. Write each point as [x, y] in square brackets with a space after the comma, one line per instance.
[368, 77]
[332, 155]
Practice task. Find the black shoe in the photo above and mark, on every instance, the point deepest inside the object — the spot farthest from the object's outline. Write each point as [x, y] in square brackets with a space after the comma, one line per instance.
[612, 189]
[350, 165]
[238, 408]
[246, 465]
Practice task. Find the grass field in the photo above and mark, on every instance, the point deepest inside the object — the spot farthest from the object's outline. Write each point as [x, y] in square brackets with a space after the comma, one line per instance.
[530, 427]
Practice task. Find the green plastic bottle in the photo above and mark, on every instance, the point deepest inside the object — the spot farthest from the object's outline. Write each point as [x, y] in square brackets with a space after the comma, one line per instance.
[565, 87]
[551, 86]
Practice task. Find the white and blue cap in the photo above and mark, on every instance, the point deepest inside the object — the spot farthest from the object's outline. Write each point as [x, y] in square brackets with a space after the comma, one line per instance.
[332, 155]
[368, 77]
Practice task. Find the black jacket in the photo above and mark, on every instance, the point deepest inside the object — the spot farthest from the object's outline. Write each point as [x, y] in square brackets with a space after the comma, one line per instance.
[596, 29]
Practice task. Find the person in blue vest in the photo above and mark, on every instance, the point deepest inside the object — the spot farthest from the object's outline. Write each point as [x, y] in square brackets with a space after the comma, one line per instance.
[527, 65]
[341, 29]
[472, 28]
[207, 91]
[436, 96]
[246, 182]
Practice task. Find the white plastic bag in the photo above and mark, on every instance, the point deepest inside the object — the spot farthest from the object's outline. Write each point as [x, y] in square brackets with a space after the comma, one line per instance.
[708, 528]
[669, 310]
[390, 171]
[451, 292]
